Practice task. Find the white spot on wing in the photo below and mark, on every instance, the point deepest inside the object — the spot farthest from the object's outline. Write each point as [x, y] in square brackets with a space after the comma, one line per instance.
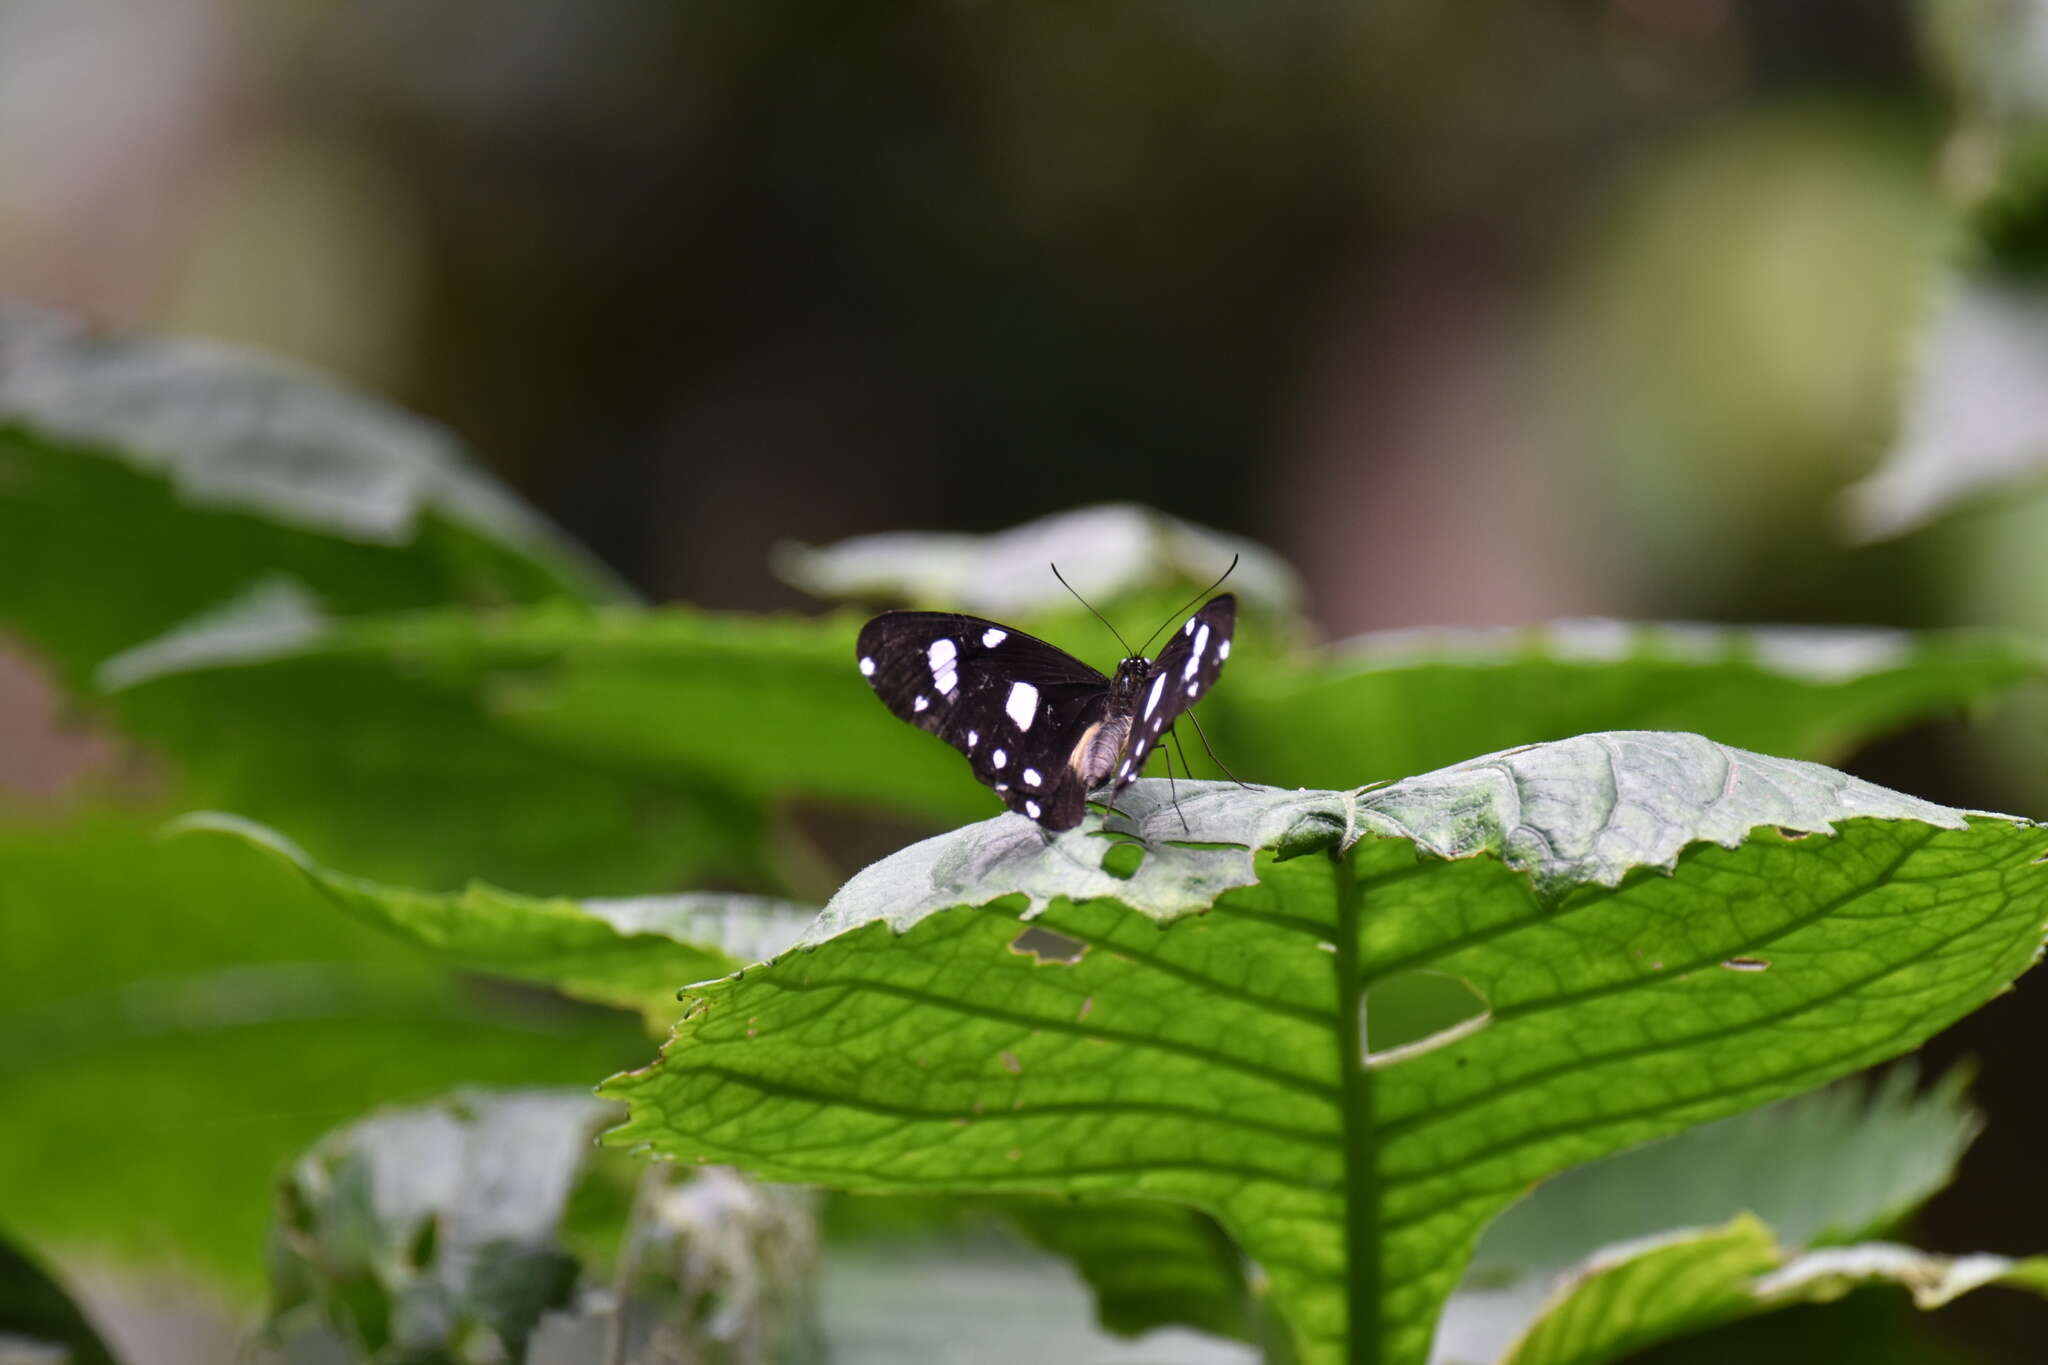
[921, 703]
[1152, 698]
[973, 738]
[1031, 777]
[1023, 704]
[1194, 688]
[999, 758]
[1031, 809]
[1223, 650]
[1195, 654]
[942, 654]
[1189, 628]
[993, 636]
[867, 668]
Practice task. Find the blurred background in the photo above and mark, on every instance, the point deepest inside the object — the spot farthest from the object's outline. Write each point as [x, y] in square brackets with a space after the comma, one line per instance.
[1479, 314]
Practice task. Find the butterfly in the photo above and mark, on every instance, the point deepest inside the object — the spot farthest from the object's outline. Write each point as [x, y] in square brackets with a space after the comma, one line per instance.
[1038, 726]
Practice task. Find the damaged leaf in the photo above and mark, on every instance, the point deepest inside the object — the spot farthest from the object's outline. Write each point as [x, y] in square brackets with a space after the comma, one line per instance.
[1210, 1046]
[1632, 1297]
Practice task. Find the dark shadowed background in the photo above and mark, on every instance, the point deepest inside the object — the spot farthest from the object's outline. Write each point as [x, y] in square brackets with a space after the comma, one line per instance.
[1479, 313]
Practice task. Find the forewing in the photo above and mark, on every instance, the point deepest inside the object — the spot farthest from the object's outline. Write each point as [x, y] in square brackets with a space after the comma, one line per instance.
[1013, 704]
[1182, 674]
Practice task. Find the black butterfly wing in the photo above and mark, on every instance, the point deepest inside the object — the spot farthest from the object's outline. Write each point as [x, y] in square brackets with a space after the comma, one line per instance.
[1012, 704]
[1182, 674]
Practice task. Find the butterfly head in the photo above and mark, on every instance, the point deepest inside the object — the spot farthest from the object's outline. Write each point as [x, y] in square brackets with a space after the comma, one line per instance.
[1131, 676]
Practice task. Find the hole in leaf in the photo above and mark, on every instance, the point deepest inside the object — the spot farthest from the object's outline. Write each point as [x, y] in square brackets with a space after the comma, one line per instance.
[1413, 1012]
[1047, 946]
[1747, 964]
[1122, 860]
[1785, 833]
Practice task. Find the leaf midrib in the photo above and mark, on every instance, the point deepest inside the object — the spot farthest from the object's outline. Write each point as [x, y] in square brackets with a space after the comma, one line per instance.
[1360, 1152]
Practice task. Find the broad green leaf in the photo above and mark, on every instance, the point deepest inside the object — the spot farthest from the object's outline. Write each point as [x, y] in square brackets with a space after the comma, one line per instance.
[1828, 1166]
[628, 747]
[772, 709]
[1656, 930]
[1109, 552]
[1832, 1166]
[1399, 702]
[982, 1300]
[143, 480]
[180, 1017]
[39, 1323]
[1631, 1298]
[1149, 1264]
[415, 770]
[634, 954]
[1638, 1297]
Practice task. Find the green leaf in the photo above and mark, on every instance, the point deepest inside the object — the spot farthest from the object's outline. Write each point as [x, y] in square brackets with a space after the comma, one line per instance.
[1148, 1264]
[1833, 1165]
[182, 1017]
[1402, 702]
[447, 1232]
[983, 1299]
[1654, 928]
[419, 770]
[408, 1230]
[634, 954]
[39, 1323]
[638, 709]
[143, 480]
[1641, 1297]
[1631, 1298]
[1109, 552]
[1838, 1164]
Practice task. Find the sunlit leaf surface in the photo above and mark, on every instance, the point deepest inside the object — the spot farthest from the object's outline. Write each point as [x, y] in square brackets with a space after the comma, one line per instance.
[1655, 930]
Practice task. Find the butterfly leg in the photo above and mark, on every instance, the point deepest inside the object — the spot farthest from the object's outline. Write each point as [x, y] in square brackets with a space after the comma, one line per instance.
[1190, 714]
[1173, 792]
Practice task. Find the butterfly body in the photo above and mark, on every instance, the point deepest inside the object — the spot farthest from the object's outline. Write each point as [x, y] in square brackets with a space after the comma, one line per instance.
[1039, 727]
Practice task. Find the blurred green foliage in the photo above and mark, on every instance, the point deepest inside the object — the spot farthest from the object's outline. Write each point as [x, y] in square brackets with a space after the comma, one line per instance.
[1116, 263]
[390, 704]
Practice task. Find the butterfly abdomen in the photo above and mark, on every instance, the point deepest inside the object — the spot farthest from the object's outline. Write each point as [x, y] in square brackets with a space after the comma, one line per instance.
[1101, 746]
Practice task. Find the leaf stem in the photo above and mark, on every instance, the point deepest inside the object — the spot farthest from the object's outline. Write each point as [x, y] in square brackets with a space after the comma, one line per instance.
[1361, 1161]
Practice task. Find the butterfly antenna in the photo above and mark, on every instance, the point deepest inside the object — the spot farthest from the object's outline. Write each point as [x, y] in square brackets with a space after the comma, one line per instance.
[1198, 597]
[1098, 615]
